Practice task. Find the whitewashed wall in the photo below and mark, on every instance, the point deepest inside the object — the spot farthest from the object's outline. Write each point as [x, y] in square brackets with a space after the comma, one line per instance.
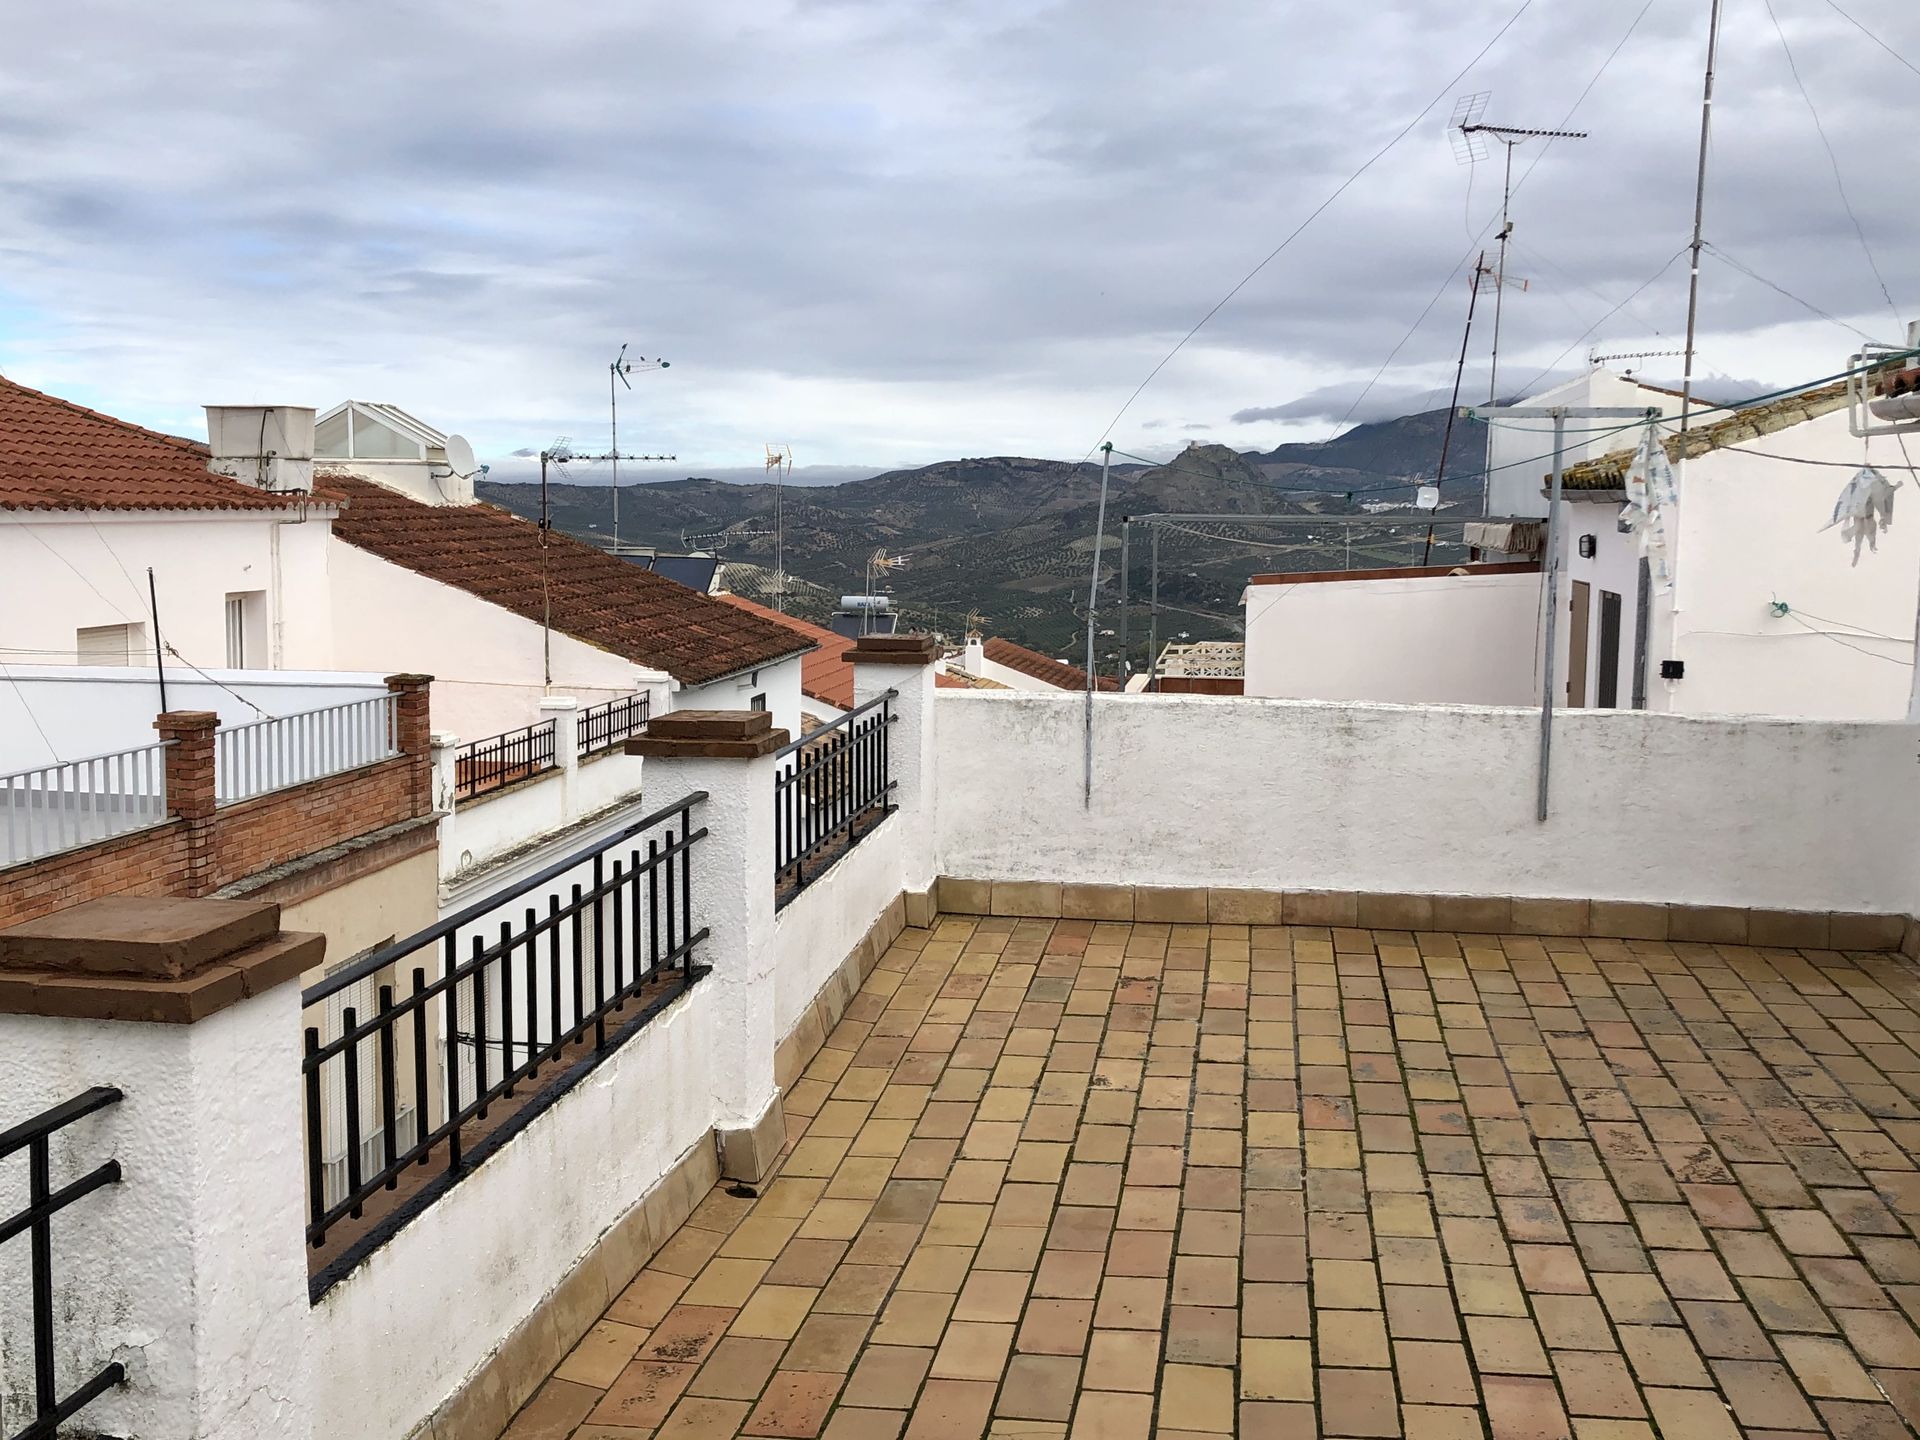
[819, 927]
[1615, 566]
[89, 710]
[397, 1337]
[1520, 452]
[1290, 795]
[1750, 532]
[1431, 639]
[62, 572]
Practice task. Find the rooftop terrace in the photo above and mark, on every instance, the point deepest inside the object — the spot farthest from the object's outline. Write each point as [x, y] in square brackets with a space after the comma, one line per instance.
[1053, 1177]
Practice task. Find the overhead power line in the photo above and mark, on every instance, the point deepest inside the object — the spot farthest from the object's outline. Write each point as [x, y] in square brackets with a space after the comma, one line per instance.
[1833, 160]
[1873, 37]
[1312, 216]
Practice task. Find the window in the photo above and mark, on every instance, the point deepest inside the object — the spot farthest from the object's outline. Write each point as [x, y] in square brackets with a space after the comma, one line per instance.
[246, 612]
[109, 644]
[1609, 698]
[759, 702]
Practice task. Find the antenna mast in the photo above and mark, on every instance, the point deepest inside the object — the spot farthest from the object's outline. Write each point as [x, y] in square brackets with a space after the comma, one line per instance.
[780, 462]
[1699, 217]
[1470, 147]
[619, 370]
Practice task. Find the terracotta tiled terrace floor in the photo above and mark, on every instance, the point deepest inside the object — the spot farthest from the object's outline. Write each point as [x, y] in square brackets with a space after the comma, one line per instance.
[1112, 1181]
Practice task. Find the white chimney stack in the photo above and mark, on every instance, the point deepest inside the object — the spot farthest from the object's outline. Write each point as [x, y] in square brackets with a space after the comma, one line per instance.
[974, 660]
[267, 446]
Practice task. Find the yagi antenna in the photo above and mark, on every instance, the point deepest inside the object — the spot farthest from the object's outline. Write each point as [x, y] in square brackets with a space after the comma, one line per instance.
[1470, 134]
[619, 370]
[1469, 143]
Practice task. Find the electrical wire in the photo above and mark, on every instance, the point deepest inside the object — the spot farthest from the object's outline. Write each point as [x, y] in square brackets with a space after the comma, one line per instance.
[1752, 274]
[1475, 241]
[1861, 629]
[1644, 285]
[1873, 37]
[1312, 216]
[1890, 659]
[1833, 159]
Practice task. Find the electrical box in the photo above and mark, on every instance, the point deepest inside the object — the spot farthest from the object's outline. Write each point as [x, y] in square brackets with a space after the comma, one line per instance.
[1673, 669]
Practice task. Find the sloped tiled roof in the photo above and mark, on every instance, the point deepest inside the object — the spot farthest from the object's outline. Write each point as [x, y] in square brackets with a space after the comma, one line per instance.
[1609, 472]
[55, 455]
[596, 598]
[1031, 662]
[826, 673]
[949, 679]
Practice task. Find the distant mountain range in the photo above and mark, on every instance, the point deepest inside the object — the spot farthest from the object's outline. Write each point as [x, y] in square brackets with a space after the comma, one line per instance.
[1006, 542]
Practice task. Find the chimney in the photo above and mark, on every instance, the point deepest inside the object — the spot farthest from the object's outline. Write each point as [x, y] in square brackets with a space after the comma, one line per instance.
[974, 662]
[269, 447]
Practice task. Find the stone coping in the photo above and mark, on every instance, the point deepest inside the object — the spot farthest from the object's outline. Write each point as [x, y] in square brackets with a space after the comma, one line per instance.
[709, 734]
[1481, 914]
[149, 958]
[893, 650]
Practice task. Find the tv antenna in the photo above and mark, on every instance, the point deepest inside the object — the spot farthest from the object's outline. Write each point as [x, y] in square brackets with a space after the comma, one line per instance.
[780, 463]
[619, 370]
[1596, 359]
[1470, 134]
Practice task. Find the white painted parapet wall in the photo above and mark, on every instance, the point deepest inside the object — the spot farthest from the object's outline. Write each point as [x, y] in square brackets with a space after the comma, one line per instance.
[1298, 795]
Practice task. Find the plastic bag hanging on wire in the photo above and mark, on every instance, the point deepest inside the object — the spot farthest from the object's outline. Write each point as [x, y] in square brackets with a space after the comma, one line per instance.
[1864, 510]
[1651, 498]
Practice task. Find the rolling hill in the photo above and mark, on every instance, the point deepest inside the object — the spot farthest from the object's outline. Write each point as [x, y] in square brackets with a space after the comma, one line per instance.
[1009, 539]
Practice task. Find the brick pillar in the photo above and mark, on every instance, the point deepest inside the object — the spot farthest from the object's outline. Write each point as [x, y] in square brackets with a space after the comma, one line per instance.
[190, 787]
[415, 735]
[730, 755]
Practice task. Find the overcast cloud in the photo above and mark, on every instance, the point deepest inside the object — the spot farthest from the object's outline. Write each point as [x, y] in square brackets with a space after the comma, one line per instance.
[889, 233]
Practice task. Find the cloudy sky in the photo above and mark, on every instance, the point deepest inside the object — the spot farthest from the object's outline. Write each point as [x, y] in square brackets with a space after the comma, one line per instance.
[890, 232]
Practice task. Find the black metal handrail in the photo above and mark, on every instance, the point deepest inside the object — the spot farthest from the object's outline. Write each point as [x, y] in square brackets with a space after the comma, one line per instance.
[829, 791]
[604, 726]
[502, 760]
[552, 988]
[43, 1203]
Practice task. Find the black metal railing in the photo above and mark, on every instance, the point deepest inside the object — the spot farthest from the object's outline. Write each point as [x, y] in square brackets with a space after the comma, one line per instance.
[50, 1409]
[502, 760]
[475, 1025]
[604, 726]
[830, 789]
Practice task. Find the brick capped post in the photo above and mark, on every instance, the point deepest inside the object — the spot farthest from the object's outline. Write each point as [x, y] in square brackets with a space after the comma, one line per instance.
[904, 664]
[414, 735]
[730, 755]
[190, 787]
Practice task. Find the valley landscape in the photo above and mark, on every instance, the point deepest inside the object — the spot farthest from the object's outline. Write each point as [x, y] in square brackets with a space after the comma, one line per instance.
[1005, 543]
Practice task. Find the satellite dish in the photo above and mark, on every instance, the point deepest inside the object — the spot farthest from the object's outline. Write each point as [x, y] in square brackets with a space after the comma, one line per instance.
[460, 456]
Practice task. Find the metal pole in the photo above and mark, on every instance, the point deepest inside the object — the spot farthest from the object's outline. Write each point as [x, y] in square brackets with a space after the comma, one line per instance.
[1093, 600]
[1126, 543]
[613, 412]
[1699, 220]
[1548, 666]
[159, 651]
[1153, 619]
[1500, 280]
[546, 589]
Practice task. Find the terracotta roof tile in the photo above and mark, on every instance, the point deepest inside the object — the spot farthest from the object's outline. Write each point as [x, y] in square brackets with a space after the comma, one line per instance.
[55, 455]
[598, 599]
[1609, 472]
[826, 674]
[1031, 662]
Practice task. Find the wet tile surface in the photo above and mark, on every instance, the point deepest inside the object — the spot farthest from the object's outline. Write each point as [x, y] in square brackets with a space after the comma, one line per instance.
[1110, 1182]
